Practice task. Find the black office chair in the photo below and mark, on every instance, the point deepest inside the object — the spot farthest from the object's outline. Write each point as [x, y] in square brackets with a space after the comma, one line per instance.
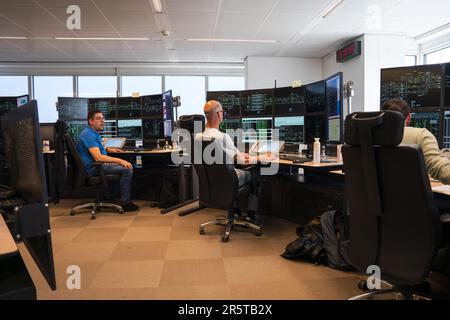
[219, 189]
[79, 179]
[394, 223]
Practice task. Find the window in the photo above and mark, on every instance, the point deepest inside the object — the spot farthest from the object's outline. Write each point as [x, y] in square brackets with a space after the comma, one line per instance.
[97, 87]
[410, 60]
[439, 56]
[192, 93]
[143, 85]
[13, 86]
[46, 92]
[226, 83]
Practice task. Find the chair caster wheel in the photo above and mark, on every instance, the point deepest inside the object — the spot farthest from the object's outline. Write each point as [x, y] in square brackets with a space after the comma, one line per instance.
[201, 231]
[226, 238]
[362, 285]
[72, 213]
[259, 233]
[93, 217]
[121, 212]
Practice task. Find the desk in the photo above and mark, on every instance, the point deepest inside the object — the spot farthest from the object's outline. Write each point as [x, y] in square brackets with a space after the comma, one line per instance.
[322, 167]
[7, 244]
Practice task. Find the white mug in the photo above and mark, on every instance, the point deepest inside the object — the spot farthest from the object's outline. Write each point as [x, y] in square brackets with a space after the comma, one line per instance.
[45, 146]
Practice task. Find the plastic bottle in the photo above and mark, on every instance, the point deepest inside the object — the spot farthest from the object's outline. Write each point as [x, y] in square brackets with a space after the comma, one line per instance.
[316, 150]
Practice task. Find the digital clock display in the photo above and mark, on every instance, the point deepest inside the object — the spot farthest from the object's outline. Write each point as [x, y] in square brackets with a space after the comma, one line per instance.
[348, 52]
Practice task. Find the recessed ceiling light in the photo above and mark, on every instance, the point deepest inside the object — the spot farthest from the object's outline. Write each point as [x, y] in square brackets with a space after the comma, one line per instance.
[158, 6]
[102, 39]
[231, 40]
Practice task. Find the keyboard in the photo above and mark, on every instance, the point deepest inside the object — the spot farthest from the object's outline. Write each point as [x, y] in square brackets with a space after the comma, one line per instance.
[295, 158]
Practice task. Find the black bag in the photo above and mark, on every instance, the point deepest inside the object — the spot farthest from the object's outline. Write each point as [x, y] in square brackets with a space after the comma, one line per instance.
[166, 196]
[309, 245]
[335, 232]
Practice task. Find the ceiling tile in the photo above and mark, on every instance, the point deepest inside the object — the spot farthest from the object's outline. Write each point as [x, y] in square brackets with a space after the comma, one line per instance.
[141, 5]
[191, 5]
[129, 18]
[247, 5]
[239, 20]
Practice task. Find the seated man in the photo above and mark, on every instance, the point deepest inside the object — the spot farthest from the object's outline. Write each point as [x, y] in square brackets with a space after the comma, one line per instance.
[214, 116]
[91, 150]
[438, 165]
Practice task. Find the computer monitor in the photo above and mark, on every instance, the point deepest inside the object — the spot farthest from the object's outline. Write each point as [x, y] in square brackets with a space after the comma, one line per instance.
[23, 149]
[447, 85]
[315, 127]
[334, 103]
[75, 127]
[168, 113]
[22, 100]
[7, 104]
[257, 129]
[47, 131]
[72, 108]
[129, 108]
[266, 146]
[152, 105]
[315, 100]
[230, 124]
[420, 86]
[109, 129]
[153, 128]
[107, 106]
[428, 120]
[257, 102]
[289, 100]
[230, 101]
[290, 129]
[130, 129]
[446, 139]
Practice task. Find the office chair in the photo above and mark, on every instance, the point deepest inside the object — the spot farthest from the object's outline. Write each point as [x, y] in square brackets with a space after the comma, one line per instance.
[394, 223]
[79, 179]
[219, 189]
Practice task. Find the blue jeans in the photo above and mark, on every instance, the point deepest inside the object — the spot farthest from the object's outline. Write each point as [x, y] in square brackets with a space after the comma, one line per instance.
[125, 179]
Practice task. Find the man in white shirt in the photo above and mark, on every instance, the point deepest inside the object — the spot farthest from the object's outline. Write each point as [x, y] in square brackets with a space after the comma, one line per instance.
[214, 116]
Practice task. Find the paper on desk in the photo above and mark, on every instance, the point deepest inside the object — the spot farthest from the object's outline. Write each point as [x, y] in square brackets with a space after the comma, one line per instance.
[443, 188]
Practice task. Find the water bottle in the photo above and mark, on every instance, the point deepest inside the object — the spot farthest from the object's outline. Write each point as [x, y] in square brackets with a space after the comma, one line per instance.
[316, 150]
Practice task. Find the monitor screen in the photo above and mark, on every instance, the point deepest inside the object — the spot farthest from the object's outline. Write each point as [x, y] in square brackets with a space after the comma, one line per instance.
[130, 129]
[22, 100]
[428, 120]
[128, 107]
[106, 105]
[230, 124]
[315, 100]
[7, 104]
[153, 128]
[72, 108]
[257, 129]
[109, 129]
[334, 108]
[168, 113]
[315, 127]
[257, 102]
[75, 127]
[447, 86]
[420, 86]
[152, 105]
[114, 142]
[446, 141]
[230, 101]
[290, 129]
[289, 100]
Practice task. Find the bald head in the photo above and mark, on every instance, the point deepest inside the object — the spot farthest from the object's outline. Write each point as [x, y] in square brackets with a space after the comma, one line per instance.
[213, 113]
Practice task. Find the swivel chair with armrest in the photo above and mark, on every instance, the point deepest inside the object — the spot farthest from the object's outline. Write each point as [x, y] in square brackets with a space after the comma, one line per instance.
[80, 179]
[219, 188]
[394, 223]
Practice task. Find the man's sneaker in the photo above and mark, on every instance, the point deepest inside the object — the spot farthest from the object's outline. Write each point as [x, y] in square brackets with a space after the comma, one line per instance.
[129, 206]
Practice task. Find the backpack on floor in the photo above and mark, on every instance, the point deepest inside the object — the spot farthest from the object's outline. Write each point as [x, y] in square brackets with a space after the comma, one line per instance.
[166, 196]
[335, 233]
[309, 245]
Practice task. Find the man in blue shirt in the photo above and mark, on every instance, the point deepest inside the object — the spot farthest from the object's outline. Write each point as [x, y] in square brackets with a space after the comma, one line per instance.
[91, 150]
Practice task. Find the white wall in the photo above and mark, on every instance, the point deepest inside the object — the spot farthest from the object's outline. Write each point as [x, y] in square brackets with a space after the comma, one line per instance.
[263, 71]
